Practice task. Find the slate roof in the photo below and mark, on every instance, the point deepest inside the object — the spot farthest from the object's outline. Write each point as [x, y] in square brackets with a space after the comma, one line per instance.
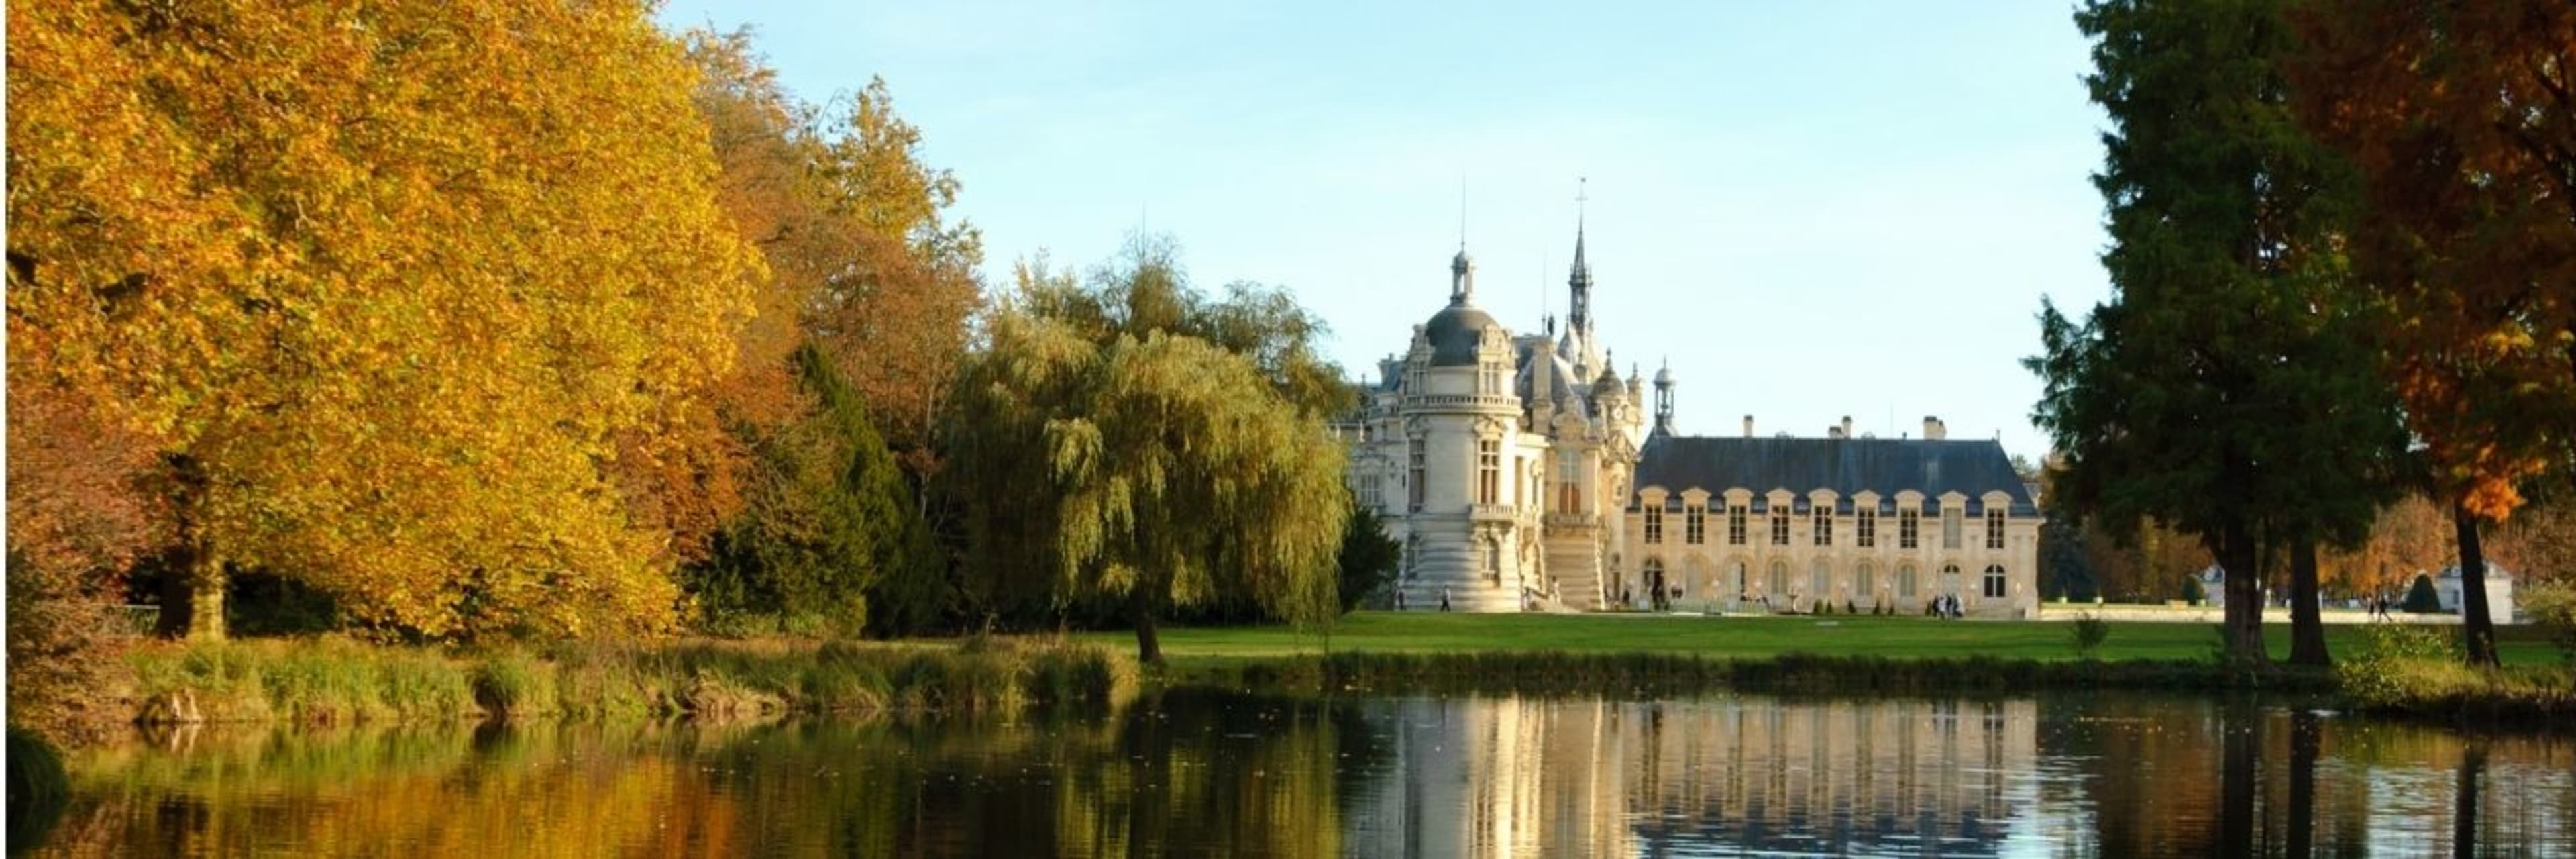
[1454, 333]
[1970, 467]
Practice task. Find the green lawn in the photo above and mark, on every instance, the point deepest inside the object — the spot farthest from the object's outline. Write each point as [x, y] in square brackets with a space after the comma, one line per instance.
[1740, 637]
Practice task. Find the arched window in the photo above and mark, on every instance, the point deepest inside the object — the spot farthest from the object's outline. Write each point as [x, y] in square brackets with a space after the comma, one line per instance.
[1994, 581]
[1743, 585]
[1820, 580]
[1906, 586]
[1779, 577]
[1950, 578]
[1865, 580]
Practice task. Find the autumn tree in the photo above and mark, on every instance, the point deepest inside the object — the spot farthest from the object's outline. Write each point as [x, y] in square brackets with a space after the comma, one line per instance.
[2459, 118]
[80, 512]
[2217, 390]
[1107, 445]
[385, 283]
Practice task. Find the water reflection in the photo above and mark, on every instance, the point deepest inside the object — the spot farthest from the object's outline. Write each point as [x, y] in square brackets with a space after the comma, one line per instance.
[1210, 773]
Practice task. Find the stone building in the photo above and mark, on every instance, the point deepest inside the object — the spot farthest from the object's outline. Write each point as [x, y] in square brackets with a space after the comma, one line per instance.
[1521, 473]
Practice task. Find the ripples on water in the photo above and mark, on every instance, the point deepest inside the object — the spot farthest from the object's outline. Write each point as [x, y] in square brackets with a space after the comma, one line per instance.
[1224, 774]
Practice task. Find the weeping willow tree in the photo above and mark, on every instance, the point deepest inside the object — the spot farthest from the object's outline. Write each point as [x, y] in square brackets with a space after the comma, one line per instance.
[1100, 455]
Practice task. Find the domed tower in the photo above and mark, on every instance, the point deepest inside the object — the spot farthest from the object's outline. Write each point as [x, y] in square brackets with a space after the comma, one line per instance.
[1461, 420]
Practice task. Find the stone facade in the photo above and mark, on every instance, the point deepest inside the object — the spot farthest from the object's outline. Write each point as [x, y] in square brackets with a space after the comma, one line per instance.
[1491, 457]
[1520, 473]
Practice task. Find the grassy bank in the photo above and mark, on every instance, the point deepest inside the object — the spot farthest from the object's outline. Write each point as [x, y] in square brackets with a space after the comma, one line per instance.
[331, 681]
[1655, 675]
[1747, 638]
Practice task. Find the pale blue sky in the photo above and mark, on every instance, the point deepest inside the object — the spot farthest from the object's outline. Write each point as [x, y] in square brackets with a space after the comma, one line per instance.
[1814, 209]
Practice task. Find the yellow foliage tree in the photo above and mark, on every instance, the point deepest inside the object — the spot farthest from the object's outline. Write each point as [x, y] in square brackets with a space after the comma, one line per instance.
[384, 282]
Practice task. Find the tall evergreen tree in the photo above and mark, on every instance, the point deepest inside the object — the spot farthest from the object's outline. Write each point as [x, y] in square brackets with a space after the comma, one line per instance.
[2215, 391]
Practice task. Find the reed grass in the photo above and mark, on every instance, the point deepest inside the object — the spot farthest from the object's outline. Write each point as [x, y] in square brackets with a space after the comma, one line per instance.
[333, 681]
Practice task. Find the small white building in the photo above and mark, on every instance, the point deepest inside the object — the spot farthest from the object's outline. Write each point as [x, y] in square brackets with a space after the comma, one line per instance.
[2499, 582]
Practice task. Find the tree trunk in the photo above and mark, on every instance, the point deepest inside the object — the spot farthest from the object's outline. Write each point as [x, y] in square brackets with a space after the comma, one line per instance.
[2307, 623]
[2304, 748]
[2464, 810]
[192, 597]
[2476, 625]
[1140, 607]
[2239, 751]
[2244, 588]
[205, 598]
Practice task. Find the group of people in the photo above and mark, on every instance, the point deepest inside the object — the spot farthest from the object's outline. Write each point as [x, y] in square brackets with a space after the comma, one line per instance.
[1945, 607]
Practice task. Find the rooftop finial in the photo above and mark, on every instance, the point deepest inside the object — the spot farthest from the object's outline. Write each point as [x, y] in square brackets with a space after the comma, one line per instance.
[1580, 319]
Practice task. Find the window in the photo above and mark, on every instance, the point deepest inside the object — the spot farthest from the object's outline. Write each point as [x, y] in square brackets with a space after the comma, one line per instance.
[1823, 519]
[1695, 524]
[1821, 580]
[1372, 492]
[1994, 581]
[1865, 580]
[1950, 524]
[1994, 527]
[1865, 525]
[1779, 525]
[1908, 521]
[1743, 581]
[1413, 487]
[1489, 471]
[1779, 577]
[1518, 465]
[1654, 523]
[1569, 475]
[1950, 579]
[1905, 581]
[1735, 524]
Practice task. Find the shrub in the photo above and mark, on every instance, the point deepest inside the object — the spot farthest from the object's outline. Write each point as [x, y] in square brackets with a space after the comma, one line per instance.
[38, 789]
[2192, 592]
[2553, 608]
[2395, 658]
[2088, 632]
[2420, 597]
[511, 683]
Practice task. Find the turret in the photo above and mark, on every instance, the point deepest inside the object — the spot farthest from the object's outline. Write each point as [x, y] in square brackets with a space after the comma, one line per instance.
[1664, 399]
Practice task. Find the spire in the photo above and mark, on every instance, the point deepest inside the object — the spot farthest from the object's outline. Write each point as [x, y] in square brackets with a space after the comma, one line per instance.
[1581, 279]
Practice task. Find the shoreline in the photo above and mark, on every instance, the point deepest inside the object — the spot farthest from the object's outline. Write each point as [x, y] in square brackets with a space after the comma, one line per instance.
[336, 681]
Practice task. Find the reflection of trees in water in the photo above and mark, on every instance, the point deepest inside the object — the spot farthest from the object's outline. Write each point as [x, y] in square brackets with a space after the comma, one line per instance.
[1217, 773]
[2303, 782]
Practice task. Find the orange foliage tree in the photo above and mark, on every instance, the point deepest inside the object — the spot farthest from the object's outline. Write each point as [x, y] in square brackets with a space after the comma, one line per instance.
[2460, 117]
[384, 282]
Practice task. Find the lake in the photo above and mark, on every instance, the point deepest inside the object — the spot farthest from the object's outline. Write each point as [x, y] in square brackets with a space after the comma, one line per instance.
[1194, 772]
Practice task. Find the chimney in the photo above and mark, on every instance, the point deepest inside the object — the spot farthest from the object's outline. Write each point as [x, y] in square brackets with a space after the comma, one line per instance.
[1846, 426]
[1933, 429]
[1748, 426]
